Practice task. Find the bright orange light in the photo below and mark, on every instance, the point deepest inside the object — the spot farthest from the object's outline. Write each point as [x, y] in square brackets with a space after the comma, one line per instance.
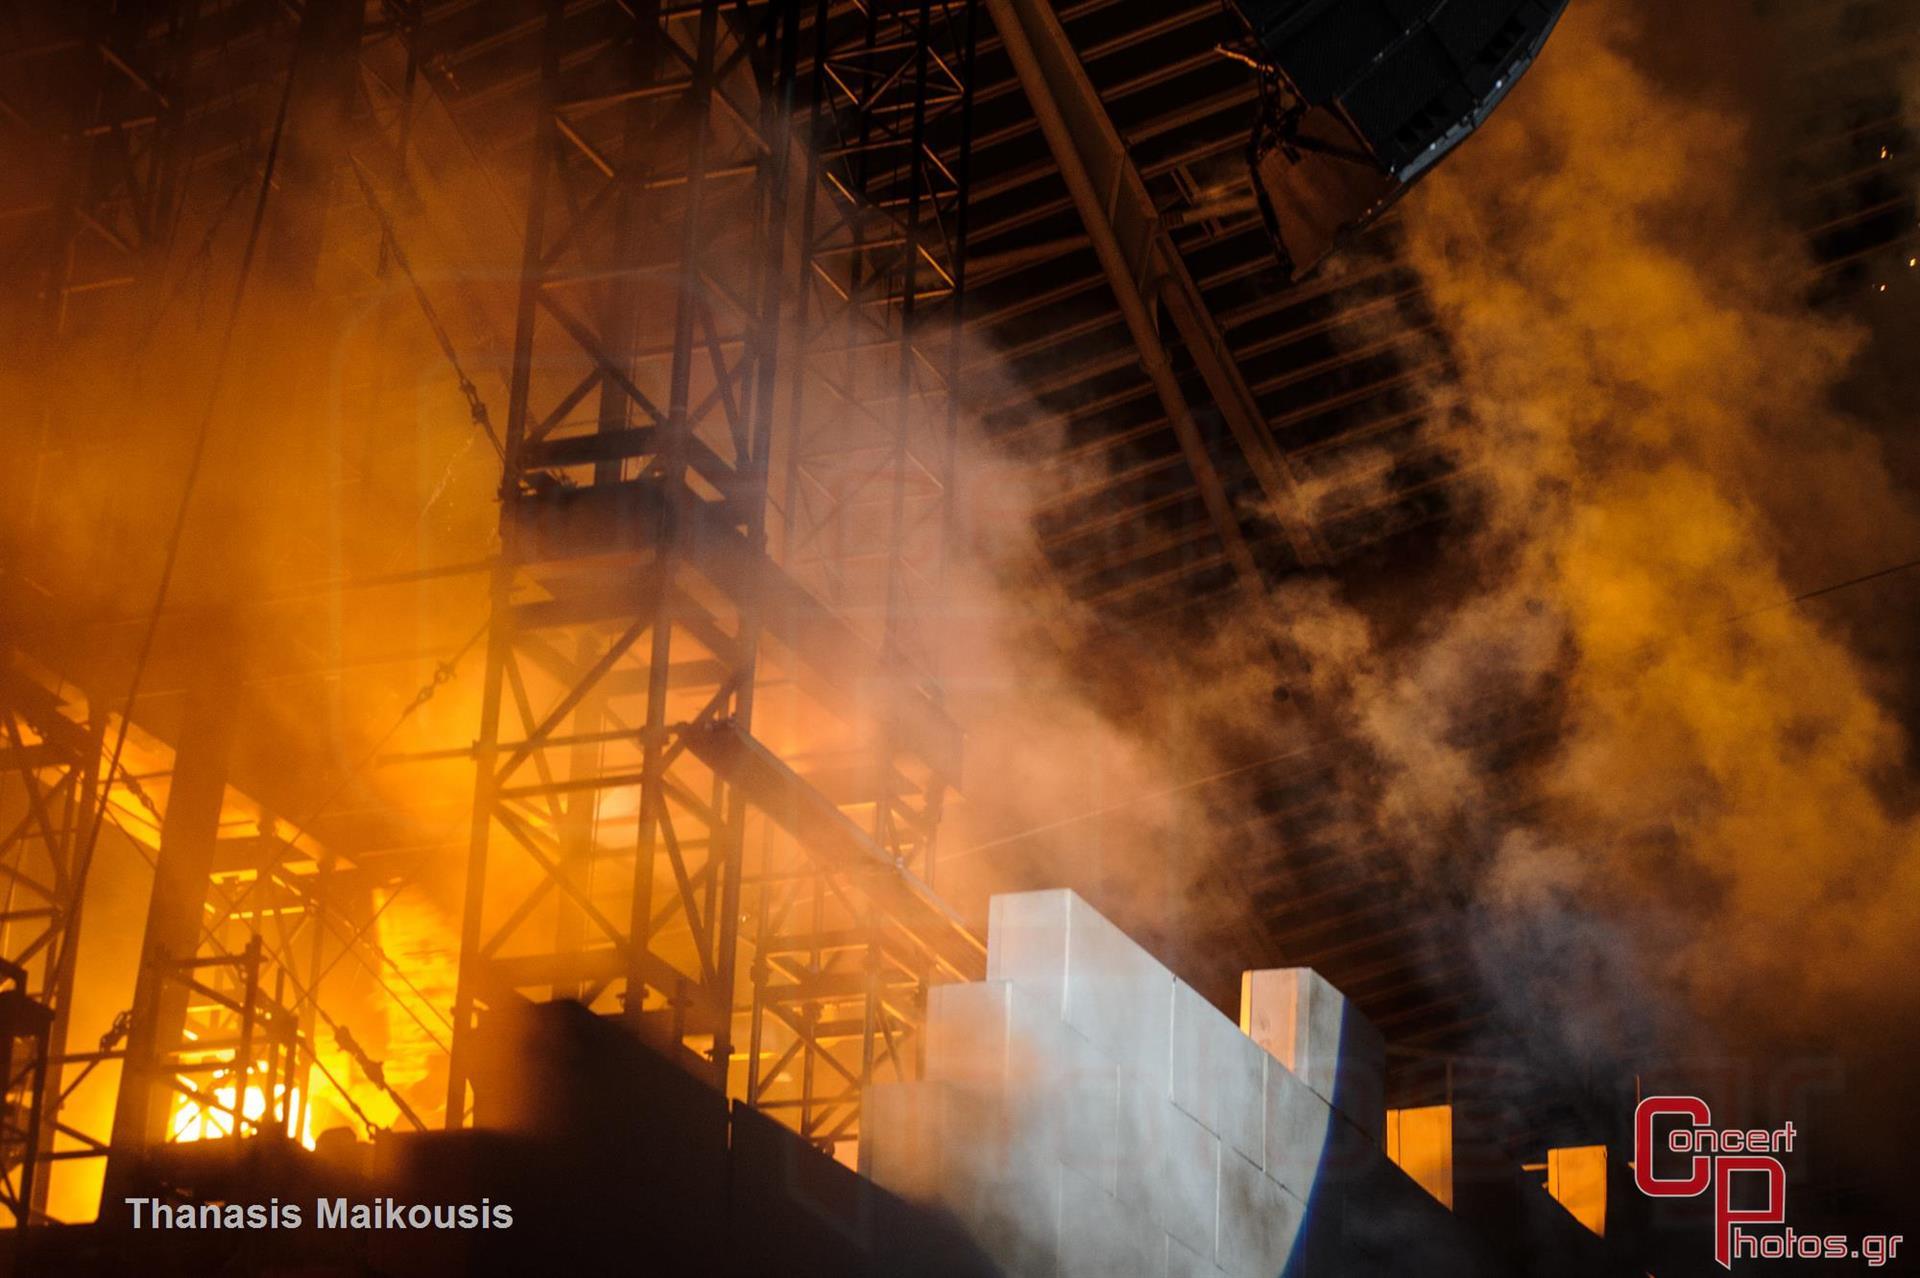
[213, 1119]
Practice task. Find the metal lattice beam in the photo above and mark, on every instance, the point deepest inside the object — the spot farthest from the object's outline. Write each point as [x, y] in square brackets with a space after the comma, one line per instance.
[725, 410]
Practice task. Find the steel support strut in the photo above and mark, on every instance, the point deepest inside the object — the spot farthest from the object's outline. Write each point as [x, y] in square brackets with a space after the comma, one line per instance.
[1144, 269]
[717, 289]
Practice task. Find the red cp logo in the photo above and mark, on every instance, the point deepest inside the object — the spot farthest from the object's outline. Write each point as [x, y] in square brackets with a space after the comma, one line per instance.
[1718, 1170]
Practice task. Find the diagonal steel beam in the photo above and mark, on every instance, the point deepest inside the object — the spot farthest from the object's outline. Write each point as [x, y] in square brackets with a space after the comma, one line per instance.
[1145, 269]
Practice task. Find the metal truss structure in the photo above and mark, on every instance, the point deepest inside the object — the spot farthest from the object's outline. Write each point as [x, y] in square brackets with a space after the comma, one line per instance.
[125, 146]
[112, 141]
[51, 777]
[709, 733]
[733, 439]
[100, 134]
[239, 1060]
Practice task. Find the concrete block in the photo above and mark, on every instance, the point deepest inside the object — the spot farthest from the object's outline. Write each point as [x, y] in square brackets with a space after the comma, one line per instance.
[1017, 1223]
[1299, 1124]
[1194, 1064]
[1168, 1167]
[966, 1151]
[1062, 1092]
[1217, 1073]
[1054, 947]
[899, 1139]
[920, 1139]
[968, 1041]
[1184, 1262]
[1312, 1029]
[1100, 1237]
[1142, 1121]
[1027, 944]
[1287, 1230]
[1259, 1221]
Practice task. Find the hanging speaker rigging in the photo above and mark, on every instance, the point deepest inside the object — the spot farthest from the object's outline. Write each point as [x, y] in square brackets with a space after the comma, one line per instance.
[1363, 97]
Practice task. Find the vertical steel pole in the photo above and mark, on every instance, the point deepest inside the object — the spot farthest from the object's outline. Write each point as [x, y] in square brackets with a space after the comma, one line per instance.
[500, 626]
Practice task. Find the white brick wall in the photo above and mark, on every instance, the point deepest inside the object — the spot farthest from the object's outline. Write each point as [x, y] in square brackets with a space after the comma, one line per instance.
[1085, 1113]
[1310, 1027]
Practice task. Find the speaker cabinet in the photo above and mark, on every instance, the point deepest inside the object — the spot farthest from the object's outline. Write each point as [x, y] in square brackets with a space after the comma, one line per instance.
[1370, 95]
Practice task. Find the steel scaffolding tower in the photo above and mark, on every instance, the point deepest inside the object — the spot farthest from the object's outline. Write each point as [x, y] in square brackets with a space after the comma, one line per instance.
[710, 729]
[51, 779]
[99, 144]
[139, 97]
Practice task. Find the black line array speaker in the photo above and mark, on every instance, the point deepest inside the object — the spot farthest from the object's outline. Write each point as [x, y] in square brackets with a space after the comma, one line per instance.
[1373, 93]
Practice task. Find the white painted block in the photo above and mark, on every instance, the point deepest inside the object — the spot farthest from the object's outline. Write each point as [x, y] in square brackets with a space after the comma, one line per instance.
[1315, 1031]
[1140, 1146]
[1289, 1221]
[962, 1149]
[1184, 1262]
[1217, 1073]
[899, 1139]
[967, 1039]
[1101, 1238]
[1057, 949]
[1259, 1221]
[1017, 1222]
[1240, 1234]
[1061, 1091]
[922, 1139]
[1168, 1168]
[1298, 1124]
[1027, 944]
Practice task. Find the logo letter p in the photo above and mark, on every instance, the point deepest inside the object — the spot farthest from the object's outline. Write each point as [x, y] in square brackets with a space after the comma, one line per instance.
[1725, 1216]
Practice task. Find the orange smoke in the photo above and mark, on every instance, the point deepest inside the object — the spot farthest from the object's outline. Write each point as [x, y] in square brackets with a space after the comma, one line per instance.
[1654, 433]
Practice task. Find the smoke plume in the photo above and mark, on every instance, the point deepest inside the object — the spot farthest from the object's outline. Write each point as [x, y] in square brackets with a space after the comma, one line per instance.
[1661, 470]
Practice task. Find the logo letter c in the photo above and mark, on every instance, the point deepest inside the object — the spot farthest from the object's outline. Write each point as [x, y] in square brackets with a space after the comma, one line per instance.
[1666, 1187]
